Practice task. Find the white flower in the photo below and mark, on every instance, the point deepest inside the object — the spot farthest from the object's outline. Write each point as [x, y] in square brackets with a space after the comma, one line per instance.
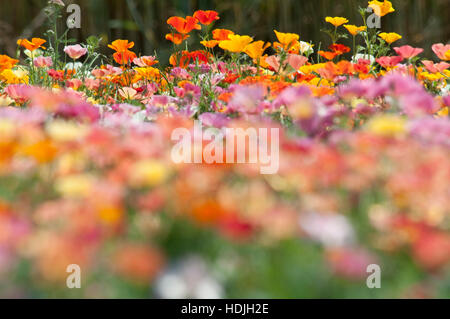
[306, 48]
[328, 229]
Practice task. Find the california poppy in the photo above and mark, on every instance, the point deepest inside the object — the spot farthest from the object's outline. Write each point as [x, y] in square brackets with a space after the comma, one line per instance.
[209, 44]
[184, 25]
[353, 29]
[6, 62]
[236, 43]
[336, 21]
[286, 40]
[221, 34]
[121, 45]
[381, 8]
[32, 45]
[390, 37]
[176, 38]
[206, 17]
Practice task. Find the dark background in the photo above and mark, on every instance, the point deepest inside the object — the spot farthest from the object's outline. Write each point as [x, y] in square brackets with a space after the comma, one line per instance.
[420, 22]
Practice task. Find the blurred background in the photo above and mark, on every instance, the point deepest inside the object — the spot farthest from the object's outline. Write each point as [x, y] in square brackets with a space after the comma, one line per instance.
[421, 22]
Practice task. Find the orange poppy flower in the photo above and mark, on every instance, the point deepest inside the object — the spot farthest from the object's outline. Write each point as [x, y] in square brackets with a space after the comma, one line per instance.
[339, 48]
[121, 45]
[206, 17]
[184, 25]
[210, 44]
[125, 57]
[221, 34]
[177, 38]
[6, 62]
[32, 45]
[328, 55]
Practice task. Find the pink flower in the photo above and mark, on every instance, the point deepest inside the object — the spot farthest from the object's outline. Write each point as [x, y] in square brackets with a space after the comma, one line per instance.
[75, 51]
[435, 67]
[442, 51]
[43, 62]
[296, 61]
[389, 61]
[407, 51]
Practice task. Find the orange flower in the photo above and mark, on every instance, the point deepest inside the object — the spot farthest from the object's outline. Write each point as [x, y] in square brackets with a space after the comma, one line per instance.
[336, 21]
[381, 8]
[124, 57]
[184, 25]
[210, 44]
[339, 48]
[328, 55]
[353, 29]
[121, 45]
[177, 38]
[221, 34]
[286, 40]
[6, 62]
[256, 50]
[32, 45]
[206, 17]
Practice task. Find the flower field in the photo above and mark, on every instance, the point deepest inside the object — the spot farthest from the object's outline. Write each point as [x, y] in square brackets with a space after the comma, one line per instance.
[87, 175]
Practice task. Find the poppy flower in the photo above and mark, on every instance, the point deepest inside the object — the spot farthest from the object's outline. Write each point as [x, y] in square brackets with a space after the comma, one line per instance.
[75, 51]
[6, 62]
[32, 45]
[339, 49]
[328, 55]
[336, 21]
[390, 37]
[209, 44]
[144, 61]
[206, 17]
[381, 8]
[408, 52]
[125, 57]
[256, 49]
[236, 43]
[286, 40]
[221, 34]
[442, 51]
[353, 29]
[121, 45]
[389, 61]
[184, 25]
[435, 67]
[176, 38]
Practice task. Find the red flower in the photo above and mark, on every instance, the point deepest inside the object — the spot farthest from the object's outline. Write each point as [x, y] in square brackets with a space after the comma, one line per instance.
[339, 48]
[206, 17]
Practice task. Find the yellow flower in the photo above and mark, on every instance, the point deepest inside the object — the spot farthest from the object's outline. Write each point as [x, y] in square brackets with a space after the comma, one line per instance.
[148, 173]
[336, 21]
[387, 125]
[74, 186]
[381, 8]
[236, 43]
[16, 76]
[65, 131]
[353, 29]
[390, 37]
[287, 40]
[256, 49]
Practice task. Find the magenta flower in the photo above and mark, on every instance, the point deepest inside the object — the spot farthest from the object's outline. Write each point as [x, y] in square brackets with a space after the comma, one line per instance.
[75, 51]
[408, 52]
